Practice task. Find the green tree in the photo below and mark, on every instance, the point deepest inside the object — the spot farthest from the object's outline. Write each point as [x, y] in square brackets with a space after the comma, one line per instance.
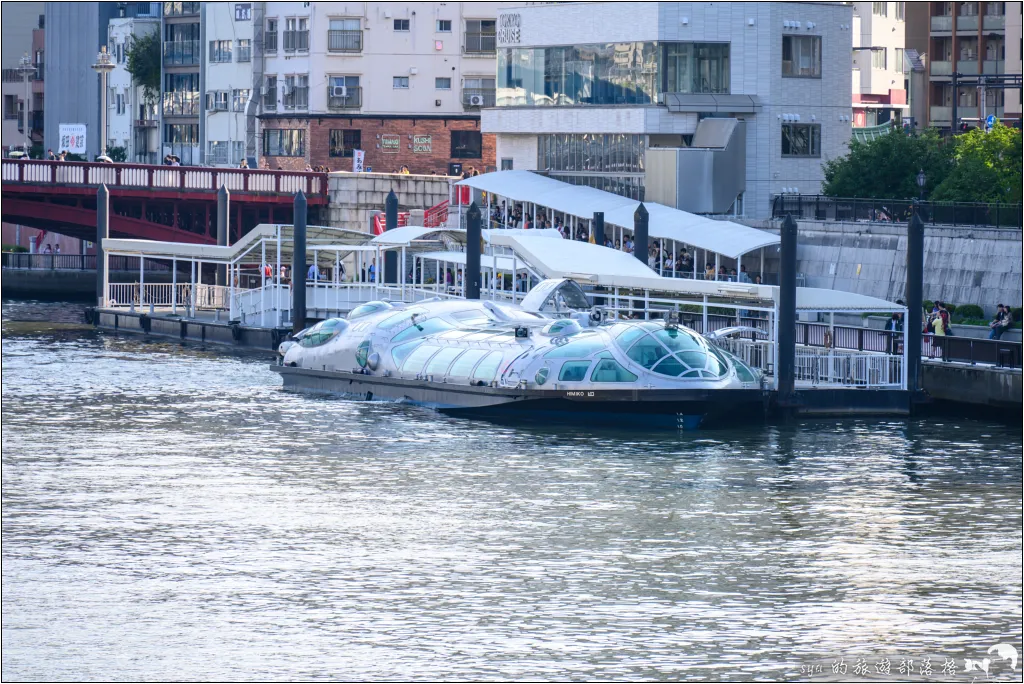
[143, 63]
[887, 167]
[986, 167]
[117, 154]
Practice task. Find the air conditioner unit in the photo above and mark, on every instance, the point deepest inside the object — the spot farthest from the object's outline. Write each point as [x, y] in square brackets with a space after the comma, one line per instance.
[339, 91]
[476, 100]
[263, 90]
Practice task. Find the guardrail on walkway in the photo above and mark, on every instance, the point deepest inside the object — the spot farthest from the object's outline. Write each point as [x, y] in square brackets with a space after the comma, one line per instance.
[164, 177]
[74, 262]
[966, 214]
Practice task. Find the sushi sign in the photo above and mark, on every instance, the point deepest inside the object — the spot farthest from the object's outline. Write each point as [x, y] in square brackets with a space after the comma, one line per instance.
[72, 138]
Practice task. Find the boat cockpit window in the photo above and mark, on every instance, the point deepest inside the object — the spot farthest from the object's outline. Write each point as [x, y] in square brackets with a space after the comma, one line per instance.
[609, 370]
[415, 361]
[563, 327]
[363, 353]
[573, 371]
[488, 367]
[403, 350]
[472, 317]
[406, 313]
[323, 332]
[421, 328]
[368, 308]
[579, 347]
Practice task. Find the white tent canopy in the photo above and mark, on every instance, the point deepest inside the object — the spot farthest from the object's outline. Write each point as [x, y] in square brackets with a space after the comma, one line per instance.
[504, 263]
[727, 238]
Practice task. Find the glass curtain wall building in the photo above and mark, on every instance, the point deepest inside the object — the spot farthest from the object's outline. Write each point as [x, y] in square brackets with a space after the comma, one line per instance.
[613, 162]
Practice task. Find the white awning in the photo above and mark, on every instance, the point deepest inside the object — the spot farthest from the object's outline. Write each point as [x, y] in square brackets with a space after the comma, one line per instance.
[404, 236]
[505, 263]
[727, 238]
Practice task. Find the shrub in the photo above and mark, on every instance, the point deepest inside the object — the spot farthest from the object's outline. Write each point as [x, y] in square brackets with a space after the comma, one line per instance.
[1016, 312]
[952, 307]
[970, 311]
[928, 305]
[14, 248]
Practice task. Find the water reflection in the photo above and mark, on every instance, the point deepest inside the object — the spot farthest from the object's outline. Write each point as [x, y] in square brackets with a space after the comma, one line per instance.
[168, 512]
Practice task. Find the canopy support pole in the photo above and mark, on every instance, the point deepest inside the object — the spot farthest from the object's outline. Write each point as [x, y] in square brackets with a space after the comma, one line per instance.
[717, 264]
[174, 286]
[263, 282]
[762, 265]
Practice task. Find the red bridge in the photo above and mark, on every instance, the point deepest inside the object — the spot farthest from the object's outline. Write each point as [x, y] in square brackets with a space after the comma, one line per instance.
[176, 203]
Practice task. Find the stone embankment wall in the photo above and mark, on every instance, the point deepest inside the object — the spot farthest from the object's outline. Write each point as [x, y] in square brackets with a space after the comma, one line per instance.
[961, 265]
[355, 197]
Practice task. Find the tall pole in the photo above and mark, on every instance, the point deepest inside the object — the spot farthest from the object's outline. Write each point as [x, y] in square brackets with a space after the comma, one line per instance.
[103, 66]
[598, 227]
[102, 232]
[640, 231]
[915, 286]
[223, 212]
[390, 223]
[956, 96]
[473, 236]
[786, 367]
[26, 69]
[299, 264]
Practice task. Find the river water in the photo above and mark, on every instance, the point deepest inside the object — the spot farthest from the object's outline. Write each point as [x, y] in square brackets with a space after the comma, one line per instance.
[170, 513]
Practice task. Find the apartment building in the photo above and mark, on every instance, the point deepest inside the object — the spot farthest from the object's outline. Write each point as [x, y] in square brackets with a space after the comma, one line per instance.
[23, 74]
[403, 82]
[133, 122]
[880, 70]
[970, 39]
[228, 79]
[713, 107]
[181, 74]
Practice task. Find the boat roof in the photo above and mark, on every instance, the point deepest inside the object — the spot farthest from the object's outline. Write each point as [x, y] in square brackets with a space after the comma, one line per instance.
[727, 238]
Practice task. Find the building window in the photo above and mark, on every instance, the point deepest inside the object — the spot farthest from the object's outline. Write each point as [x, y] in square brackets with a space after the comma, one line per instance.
[270, 94]
[478, 91]
[879, 58]
[296, 34]
[879, 9]
[997, 9]
[217, 101]
[618, 153]
[181, 94]
[220, 50]
[296, 92]
[244, 50]
[506, 164]
[401, 24]
[696, 68]
[444, 25]
[270, 36]
[12, 107]
[284, 142]
[899, 60]
[344, 92]
[344, 35]
[467, 145]
[184, 134]
[239, 98]
[481, 35]
[443, 83]
[801, 140]
[345, 142]
[400, 82]
[801, 56]
[901, 11]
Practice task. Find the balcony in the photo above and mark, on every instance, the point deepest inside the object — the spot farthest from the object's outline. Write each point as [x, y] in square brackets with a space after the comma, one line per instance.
[182, 53]
[942, 23]
[344, 41]
[967, 67]
[40, 74]
[146, 123]
[180, 9]
[994, 22]
[181, 103]
[270, 41]
[940, 114]
[942, 68]
[480, 43]
[993, 66]
[475, 98]
[353, 98]
[296, 41]
[967, 23]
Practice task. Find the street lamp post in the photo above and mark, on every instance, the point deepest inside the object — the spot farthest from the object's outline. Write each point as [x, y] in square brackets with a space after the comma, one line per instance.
[103, 66]
[921, 179]
[25, 68]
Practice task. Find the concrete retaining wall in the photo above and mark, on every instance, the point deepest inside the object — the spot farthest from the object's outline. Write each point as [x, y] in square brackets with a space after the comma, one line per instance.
[977, 385]
[354, 197]
[65, 283]
[961, 265]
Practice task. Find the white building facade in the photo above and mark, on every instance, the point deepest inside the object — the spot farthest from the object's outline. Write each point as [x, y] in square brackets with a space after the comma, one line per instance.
[880, 70]
[631, 98]
[228, 82]
[132, 122]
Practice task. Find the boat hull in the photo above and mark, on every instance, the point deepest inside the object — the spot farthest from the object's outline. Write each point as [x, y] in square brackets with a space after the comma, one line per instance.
[666, 408]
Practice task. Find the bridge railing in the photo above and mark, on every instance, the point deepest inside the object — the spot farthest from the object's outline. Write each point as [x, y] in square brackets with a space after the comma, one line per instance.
[75, 262]
[164, 177]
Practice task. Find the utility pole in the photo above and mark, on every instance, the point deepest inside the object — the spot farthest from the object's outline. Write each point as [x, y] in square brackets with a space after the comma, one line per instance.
[25, 68]
[103, 67]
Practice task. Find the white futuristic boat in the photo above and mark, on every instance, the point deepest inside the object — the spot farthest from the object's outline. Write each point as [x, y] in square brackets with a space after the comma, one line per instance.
[550, 357]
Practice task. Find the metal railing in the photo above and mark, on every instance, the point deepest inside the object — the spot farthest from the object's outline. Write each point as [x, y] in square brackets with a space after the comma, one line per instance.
[478, 97]
[182, 53]
[296, 98]
[353, 98]
[973, 351]
[38, 171]
[848, 369]
[181, 103]
[296, 40]
[128, 295]
[480, 42]
[967, 214]
[344, 41]
[75, 262]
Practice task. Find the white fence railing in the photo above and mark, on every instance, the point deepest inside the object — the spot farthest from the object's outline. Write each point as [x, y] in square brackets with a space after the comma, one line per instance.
[848, 369]
[128, 295]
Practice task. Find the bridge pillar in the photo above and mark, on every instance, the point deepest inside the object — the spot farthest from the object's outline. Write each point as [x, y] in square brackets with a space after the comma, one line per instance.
[786, 341]
[915, 285]
[641, 219]
[390, 223]
[102, 231]
[471, 278]
[223, 212]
